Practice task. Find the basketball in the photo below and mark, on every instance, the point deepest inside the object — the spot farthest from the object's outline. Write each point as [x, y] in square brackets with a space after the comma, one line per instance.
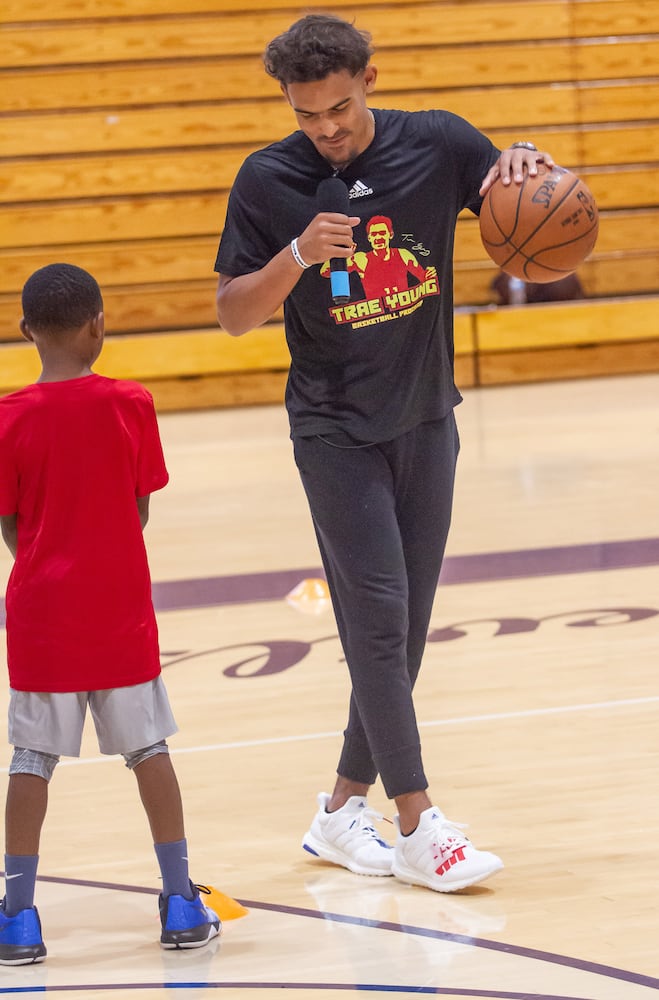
[542, 229]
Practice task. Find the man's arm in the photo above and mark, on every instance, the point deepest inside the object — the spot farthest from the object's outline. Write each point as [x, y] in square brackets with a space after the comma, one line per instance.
[9, 531]
[248, 300]
[511, 163]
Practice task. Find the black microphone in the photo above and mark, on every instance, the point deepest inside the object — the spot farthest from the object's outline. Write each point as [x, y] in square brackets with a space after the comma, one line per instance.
[332, 196]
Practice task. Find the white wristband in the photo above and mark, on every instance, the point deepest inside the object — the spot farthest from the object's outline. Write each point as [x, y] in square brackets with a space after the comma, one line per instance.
[299, 259]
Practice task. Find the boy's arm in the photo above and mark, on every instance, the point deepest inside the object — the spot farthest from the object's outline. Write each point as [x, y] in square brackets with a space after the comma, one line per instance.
[9, 531]
[143, 509]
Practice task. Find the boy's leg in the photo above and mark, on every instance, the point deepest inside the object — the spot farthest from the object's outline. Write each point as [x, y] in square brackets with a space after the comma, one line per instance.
[186, 922]
[161, 797]
[52, 723]
[25, 811]
[135, 721]
[123, 716]
[27, 801]
[144, 711]
[42, 726]
[30, 771]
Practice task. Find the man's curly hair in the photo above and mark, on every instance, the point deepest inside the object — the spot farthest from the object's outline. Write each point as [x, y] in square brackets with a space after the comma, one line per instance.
[314, 47]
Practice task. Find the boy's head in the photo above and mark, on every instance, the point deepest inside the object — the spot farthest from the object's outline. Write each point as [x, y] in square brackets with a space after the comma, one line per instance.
[316, 46]
[60, 298]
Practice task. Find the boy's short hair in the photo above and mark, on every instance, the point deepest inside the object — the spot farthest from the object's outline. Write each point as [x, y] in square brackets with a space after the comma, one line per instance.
[60, 297]
[314, 47]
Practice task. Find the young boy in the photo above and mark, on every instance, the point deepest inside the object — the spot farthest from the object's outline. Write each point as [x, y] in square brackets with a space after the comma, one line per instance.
[79, 456]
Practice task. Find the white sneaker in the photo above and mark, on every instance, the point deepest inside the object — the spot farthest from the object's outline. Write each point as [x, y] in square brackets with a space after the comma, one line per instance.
[347, 837]
[438, 856]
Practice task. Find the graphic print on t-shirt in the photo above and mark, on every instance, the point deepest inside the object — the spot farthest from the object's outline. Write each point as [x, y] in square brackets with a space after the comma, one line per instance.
[393, 281]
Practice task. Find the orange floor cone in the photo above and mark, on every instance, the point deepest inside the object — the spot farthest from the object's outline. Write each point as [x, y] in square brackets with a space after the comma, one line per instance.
[310, 596]
[225, 907]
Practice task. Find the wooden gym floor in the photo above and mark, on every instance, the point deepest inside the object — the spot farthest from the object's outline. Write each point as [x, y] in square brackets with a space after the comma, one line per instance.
[538, 706]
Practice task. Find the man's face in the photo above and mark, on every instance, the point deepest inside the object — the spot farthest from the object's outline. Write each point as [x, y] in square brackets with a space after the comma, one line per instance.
[379, 236]
[333, 113]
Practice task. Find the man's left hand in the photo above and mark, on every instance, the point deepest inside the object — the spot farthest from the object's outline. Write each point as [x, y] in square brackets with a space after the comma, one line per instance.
[510, 166]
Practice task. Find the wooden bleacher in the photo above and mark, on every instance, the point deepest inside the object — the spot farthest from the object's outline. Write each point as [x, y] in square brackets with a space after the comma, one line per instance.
[124, 122]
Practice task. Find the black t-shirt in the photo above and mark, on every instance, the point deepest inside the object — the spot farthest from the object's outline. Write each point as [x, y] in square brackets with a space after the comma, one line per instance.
[382, 364]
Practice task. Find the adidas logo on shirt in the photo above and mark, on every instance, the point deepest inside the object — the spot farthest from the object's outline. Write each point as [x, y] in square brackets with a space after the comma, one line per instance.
[359, 190]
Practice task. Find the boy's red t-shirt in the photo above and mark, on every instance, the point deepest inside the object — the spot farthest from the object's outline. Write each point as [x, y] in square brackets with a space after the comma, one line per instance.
[74, 456]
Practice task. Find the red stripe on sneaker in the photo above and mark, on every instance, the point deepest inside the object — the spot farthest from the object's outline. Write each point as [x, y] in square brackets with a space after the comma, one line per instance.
[458, 855]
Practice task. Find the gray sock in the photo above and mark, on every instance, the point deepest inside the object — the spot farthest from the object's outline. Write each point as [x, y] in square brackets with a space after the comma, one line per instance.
[173, 861]
[20, 880]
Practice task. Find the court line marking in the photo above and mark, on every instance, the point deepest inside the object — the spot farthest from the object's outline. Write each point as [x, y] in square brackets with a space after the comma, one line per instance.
[351, 988]
[552, 958]
[528, 713]
[484, 567]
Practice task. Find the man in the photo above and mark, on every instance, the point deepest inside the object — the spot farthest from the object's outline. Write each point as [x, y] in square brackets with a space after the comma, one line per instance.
[370, 398]
[384, 269]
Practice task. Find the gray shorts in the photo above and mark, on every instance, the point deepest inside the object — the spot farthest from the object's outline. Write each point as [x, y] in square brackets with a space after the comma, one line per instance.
[126, 718]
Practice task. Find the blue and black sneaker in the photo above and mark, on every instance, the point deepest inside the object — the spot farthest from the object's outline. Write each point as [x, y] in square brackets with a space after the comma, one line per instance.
[21, 942]
[187, 923]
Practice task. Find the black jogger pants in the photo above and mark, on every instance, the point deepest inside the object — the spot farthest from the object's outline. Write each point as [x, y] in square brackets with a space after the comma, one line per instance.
[381, 514]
